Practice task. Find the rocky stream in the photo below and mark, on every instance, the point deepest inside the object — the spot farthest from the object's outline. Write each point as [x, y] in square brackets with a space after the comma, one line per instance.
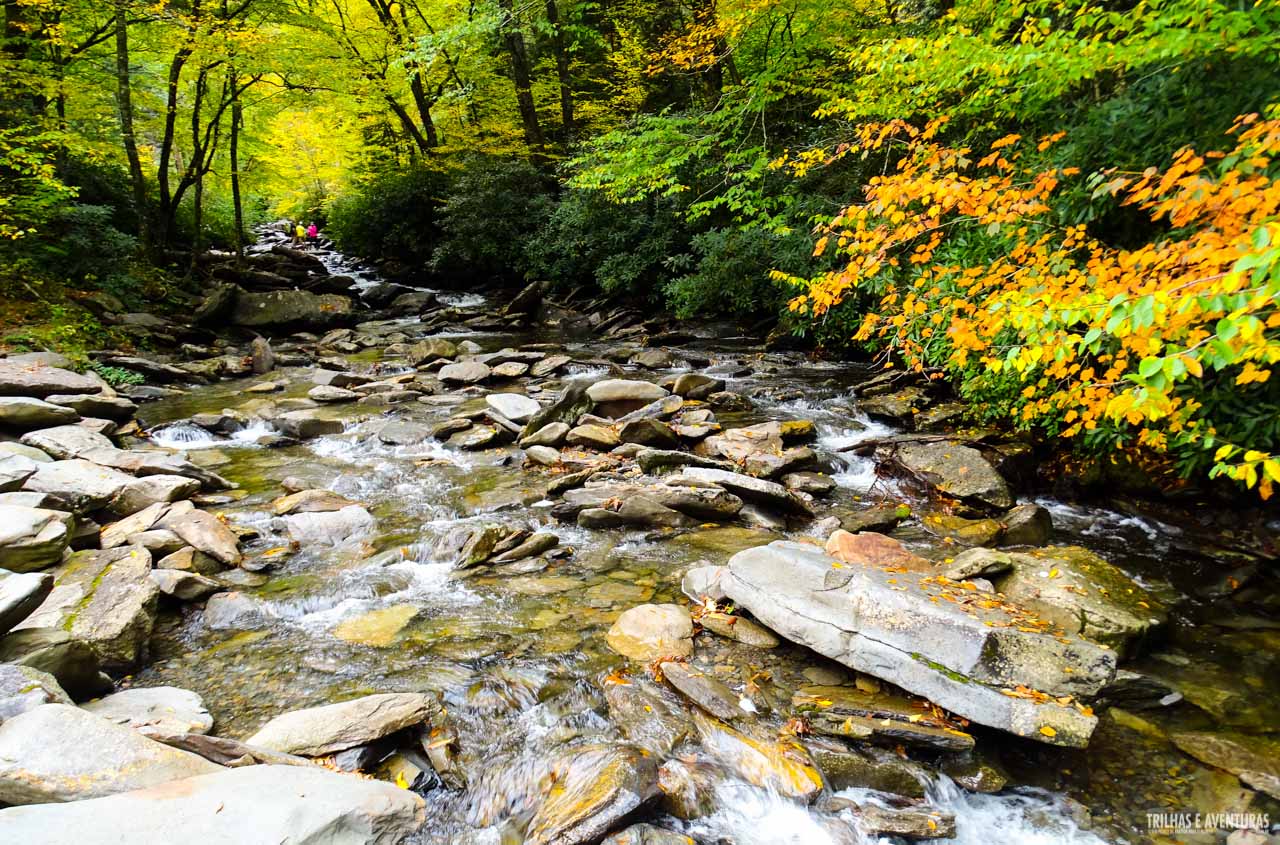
[358, 562]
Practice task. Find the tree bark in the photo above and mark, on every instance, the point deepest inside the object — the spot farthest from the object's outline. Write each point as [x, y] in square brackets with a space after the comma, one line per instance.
[562, 69]
[124, 102]
[522, 77]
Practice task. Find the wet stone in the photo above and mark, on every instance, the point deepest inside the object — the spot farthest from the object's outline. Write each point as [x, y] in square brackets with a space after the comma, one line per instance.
[707, 692]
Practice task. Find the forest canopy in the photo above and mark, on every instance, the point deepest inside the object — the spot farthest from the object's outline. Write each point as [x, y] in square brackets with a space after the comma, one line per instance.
[1066, 208]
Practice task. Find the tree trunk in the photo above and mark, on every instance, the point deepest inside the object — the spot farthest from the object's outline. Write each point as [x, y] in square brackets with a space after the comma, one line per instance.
[562, 69]
[521, 76]
[124, 101]
[237, 204]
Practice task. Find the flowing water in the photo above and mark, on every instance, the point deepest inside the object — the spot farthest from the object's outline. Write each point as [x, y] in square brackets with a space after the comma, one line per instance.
[518, 654]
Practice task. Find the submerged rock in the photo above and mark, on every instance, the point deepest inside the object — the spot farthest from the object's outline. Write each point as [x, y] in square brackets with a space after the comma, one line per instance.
[648, 715]
[898, 627]
[298, 805]
[595, 787]
[650, 631]
[155, 710]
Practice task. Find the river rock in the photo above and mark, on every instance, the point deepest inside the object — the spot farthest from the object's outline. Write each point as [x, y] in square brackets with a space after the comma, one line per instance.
[429, 349]
[142, 493]
[656, 460]
[465, 546]
[1085, 594]
[154, 710]
[624, 390]
[542, 455]
[57, 752]
[514, 406]
[31, 378]
[106, 598]
[20, 595]
[206, 533]
[916, 822]
[1254, 759]
[14, 472]
[66, 441]
[867, 548]
[117, 533]
[768, 762]
[650, 631]
[551, 434]
[1026, 525]
[327, 393]
[697, 385]
[100, 405]
[895, 626]
[898, 406]
[464, 372]
[85, 485]
[318, 731]
[650, 716]
[704, 582]
[970, 532]
[703, 690]
[329, 528]
[957, 470]
[23, 413]
[293, 804]
[71, 661]
[477, 437]
[235, 611]
[32, 538]
[595, 787]
[646, 834]
[548, 365]
[289, 308]
[306, 424]
[878, 717]
[868, 767]
[767, 493]
[23, 688]
[738, 628]
[571, 404]
[593, 436]
[650, 433]
[184, 586]
[310, 501]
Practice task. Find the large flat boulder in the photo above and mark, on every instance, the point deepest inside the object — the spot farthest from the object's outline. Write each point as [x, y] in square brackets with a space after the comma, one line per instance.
[57, 752]
[1079, 591]
[164, 711]
[30, 378]
[66, 441]
[32, 538]
[292, 308]
[107, 599]
[982, 658]
[23, 413]
[317, 731]
[294, 804]
[85, 485]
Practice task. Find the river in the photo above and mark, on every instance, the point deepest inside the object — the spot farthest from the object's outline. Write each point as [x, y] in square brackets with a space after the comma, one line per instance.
[518, 655]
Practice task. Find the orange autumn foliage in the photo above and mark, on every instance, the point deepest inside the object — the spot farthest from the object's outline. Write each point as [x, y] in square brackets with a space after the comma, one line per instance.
[1113, 343]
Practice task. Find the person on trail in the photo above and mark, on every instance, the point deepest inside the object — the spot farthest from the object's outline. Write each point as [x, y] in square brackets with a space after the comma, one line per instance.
[299, 234]
[312, 232]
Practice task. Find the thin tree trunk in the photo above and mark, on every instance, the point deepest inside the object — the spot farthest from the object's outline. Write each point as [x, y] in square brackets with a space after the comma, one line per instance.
[237, 204]
[521, 75]
[562, 69]
[124, 101]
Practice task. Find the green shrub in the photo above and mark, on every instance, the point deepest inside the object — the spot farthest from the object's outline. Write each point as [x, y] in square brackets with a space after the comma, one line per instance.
[493, 208]
[394, 216]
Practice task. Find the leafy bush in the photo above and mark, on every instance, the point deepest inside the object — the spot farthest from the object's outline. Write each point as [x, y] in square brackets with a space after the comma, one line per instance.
[395, 216]
[493, 208]
[625, 250]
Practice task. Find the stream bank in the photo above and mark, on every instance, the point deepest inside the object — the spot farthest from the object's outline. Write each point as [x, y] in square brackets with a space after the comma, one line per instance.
[528, 524]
